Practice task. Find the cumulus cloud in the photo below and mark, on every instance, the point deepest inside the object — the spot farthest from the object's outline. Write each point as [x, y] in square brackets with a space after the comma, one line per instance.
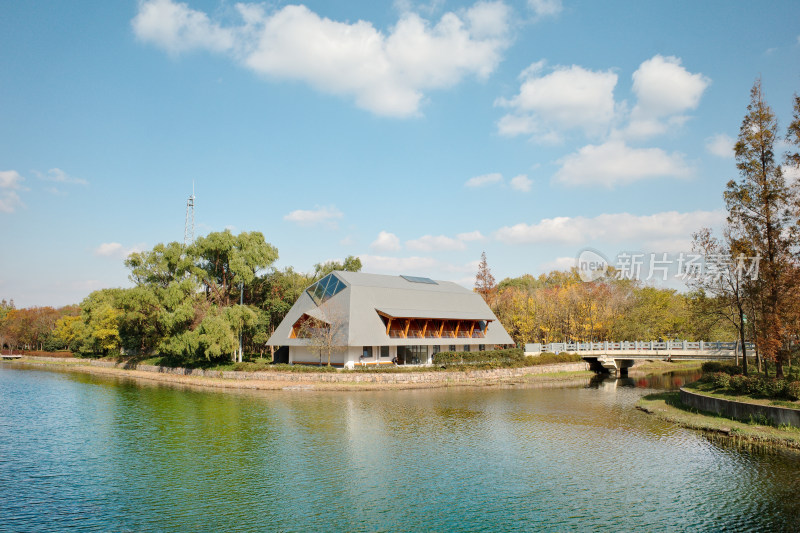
[10, 183]
[545, 8]
[115, 249]
[521, 183]
[319, 215]
[664, 90]
[720, 145]
[668, 229]
[470, 236]
[386, 242]
[429, 243]
[614, 163]
[568, 98]
[385, 73]
[483, 180]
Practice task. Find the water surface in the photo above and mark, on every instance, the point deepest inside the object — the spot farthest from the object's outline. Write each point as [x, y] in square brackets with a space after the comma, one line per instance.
[91, 453]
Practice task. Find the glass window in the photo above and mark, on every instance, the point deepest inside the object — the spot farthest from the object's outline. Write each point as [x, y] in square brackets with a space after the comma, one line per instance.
[436, 349]
[466, 347]
[482, 347]
[367, 352]
[418, 279]
[385, 352]
[326, 288]
[452, 347]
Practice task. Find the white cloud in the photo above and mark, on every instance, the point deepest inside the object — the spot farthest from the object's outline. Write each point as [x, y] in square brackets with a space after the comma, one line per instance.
[545, 8]
[566, 99]
[115, 249]
[318, 215]
[485, 179]
[720, 145]
[177, 28]
[10, 183]
[470, 236]
[615, 163]
[386, 73]
[559, 263]
[57, 175]
[521, 183]
[665, 231]
[386, 242]
[664, 89]
[430, 243]
[395, 265]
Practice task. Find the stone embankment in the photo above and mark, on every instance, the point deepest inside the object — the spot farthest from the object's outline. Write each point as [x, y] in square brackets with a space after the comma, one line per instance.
[419, 378]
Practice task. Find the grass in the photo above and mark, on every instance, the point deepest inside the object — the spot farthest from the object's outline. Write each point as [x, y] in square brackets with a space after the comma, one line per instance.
[667, 406]
[708, 389]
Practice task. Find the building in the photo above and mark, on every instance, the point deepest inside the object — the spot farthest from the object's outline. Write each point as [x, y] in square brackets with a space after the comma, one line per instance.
[357, 318]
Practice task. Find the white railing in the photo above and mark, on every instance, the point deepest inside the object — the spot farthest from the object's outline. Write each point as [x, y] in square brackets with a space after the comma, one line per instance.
[638, 346]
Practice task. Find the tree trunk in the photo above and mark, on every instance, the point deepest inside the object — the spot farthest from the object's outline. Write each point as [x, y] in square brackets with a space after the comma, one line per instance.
[744, 343]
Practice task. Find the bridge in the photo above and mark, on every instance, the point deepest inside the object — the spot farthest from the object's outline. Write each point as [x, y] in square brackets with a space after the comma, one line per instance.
[617, 357]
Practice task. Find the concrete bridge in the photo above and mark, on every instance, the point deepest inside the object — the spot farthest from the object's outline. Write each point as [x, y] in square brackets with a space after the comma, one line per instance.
[617, 357]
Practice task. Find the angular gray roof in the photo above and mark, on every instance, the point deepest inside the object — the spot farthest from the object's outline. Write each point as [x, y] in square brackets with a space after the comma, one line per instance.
[367, 294]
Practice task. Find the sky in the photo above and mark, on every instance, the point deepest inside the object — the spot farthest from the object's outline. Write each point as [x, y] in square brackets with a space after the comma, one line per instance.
[414, 135]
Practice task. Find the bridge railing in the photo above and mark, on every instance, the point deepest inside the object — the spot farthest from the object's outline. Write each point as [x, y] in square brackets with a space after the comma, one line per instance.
[640, 346]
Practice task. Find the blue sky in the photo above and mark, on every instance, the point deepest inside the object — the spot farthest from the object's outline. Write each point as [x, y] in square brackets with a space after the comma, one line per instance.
[414, 135]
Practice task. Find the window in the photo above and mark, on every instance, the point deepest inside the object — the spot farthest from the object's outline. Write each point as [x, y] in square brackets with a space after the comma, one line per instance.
[466, 347]
[452, 348]
[367, 352]
[481, 347]
[385, 352]
[412, 355]
[326, 288]
[417, 279]
[436, 349]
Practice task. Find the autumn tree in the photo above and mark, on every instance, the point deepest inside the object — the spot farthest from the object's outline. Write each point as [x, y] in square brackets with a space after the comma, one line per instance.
[484, 281]
[759, 217]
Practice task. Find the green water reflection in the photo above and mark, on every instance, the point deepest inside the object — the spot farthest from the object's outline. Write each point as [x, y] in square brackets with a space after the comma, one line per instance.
[86, 453]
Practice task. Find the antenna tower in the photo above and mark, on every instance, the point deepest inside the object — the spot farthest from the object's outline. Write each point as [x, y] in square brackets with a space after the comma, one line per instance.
[188, 228]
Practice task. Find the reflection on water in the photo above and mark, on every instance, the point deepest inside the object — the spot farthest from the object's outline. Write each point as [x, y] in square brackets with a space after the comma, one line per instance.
[666, 381]
[93, 454]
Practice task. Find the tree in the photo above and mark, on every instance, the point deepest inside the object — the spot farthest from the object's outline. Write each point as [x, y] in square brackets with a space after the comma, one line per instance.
[223, 261]
[326, 332]
[350, 264]
[758, 218]
[484, 281]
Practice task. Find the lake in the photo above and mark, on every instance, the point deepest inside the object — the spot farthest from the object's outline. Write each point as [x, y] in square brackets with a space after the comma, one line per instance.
[88, 453]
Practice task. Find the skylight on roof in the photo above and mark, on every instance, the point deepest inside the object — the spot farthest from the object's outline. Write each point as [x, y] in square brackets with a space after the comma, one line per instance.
[417, 279]
[326, 288]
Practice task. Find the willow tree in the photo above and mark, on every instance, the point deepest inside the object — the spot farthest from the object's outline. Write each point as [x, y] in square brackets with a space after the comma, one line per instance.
[758, 215]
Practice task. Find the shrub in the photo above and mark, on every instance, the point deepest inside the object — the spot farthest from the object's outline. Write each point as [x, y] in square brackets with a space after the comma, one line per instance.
[486, 356]
[721, 380]
[711, 367]
[793, 390]
[740, 384]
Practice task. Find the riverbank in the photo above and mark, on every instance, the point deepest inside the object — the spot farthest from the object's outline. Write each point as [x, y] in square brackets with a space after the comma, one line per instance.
[667, 406]
[338, 380]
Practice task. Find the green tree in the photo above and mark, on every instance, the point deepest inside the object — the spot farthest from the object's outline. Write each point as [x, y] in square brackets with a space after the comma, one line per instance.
[224, 260]
[350, 264]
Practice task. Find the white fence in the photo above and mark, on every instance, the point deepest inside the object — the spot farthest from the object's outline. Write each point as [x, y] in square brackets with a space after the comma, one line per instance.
[610, 347]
